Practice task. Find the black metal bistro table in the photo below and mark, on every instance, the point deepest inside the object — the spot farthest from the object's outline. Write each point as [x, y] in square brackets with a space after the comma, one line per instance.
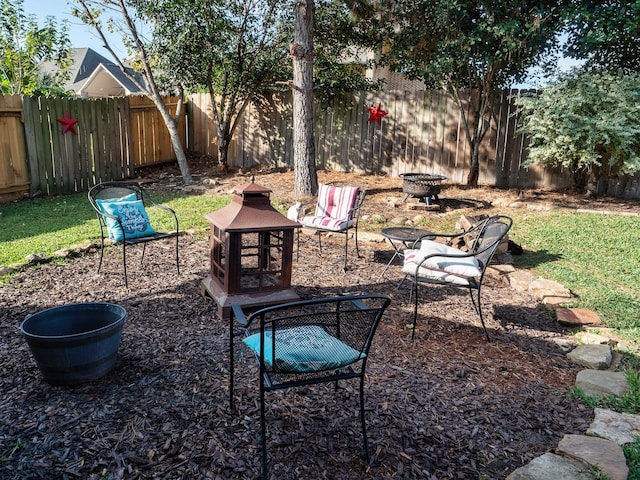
[400, 239]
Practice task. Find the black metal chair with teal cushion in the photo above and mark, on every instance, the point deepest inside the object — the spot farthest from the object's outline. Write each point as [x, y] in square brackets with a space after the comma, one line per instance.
[309, 342]
[433, 260]
[121, 208]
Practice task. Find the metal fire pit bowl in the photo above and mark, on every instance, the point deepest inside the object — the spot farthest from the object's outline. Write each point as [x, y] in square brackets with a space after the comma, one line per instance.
[423, 185]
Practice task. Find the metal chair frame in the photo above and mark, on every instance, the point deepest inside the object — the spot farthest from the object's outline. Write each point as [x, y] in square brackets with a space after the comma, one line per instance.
[486, 235]
[339, 315]
[117, 189]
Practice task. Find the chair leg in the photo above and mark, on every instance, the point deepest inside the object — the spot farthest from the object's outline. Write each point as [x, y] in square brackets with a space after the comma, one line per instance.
[124, 262]
[101, 253]
[367, 456]
[346, 248]
[177, 255]
[232, 405]
[263, 434]
[415, 310]
[144, 249]
[356, 236]
[478, 308]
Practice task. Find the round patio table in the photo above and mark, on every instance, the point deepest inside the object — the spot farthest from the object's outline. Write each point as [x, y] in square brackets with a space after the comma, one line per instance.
[400, 239]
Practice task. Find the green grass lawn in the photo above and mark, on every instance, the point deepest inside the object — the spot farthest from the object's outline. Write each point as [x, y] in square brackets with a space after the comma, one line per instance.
[44, 225]
[595, 256]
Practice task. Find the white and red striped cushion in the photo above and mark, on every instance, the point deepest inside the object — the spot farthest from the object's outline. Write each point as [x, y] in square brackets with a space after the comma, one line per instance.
[333, 211]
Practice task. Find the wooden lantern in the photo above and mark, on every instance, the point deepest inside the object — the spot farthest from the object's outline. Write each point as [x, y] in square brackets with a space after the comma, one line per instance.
[251, 252]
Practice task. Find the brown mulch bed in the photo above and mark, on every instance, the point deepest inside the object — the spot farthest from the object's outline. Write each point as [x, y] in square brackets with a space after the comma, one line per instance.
[449, 405]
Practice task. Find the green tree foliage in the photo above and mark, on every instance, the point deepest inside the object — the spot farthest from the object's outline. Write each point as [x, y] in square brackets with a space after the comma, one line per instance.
[24, 45]
[606, 34]
[342, 33]
[469, 44]
[588, 123]
[232, 48]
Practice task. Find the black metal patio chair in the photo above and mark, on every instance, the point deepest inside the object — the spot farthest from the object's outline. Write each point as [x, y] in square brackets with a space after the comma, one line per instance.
[308, 342]
[121, 211]
[432, 261]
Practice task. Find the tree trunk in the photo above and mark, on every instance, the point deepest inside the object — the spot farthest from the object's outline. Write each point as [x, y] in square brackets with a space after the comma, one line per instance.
[305, 174]
[474, 164]
[475, 128]
[223, 154]
[172, 127]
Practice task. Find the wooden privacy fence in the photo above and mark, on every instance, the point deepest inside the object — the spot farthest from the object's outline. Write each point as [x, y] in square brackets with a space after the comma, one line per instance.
[422, 132]
[112, 137]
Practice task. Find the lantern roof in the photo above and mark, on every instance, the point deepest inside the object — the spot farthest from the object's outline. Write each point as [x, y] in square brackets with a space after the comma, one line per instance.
[250, 210]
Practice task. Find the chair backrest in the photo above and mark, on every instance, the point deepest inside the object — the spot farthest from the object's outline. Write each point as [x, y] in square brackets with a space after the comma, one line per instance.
[492, 231]
[109, 190]
[336, 202]
[315, 336]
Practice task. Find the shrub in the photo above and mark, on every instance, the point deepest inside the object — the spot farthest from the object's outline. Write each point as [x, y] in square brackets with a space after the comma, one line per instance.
[588, 123]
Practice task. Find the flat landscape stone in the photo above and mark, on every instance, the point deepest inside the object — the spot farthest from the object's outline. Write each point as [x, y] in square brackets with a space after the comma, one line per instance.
[554, 301]
[598, 383]
[552, 467]
[621, 428]
[592, 356]
[542, 287]
[598, 452]
[577, 317]
[520, 280]
[591, 338]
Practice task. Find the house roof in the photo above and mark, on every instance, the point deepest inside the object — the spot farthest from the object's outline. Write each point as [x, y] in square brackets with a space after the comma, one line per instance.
[88, 69]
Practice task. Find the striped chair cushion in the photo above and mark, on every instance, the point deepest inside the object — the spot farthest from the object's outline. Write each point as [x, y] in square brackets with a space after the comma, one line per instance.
[333, 211]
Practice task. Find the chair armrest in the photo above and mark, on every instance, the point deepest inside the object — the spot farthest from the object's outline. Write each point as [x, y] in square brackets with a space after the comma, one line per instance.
[359, 304]
[447, 255]
[450, 236]
[354, 212]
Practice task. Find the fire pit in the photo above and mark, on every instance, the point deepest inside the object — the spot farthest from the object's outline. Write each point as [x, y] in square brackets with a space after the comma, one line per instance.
[423, 185]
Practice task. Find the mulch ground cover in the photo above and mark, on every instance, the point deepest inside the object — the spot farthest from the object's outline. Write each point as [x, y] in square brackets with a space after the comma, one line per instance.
[447, 405]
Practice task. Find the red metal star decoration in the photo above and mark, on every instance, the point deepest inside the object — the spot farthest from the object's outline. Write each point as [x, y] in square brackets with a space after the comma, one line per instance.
[68, 123]
[376, 113]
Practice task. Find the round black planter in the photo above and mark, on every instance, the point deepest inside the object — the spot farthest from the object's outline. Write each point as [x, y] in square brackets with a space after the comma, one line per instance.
[75, 343]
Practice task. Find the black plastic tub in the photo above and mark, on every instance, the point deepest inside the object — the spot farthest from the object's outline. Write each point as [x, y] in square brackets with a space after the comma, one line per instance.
[75, 343]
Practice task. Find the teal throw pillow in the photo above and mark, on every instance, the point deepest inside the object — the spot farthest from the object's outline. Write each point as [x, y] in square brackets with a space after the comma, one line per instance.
[127, 198]
[304, 349]
[101, 202]
[133, 216]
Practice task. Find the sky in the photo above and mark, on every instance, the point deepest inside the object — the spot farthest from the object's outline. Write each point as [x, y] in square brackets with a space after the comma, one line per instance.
[81, 35]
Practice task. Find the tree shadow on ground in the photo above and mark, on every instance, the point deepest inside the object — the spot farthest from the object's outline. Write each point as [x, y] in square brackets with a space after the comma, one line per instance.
[535, 258]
